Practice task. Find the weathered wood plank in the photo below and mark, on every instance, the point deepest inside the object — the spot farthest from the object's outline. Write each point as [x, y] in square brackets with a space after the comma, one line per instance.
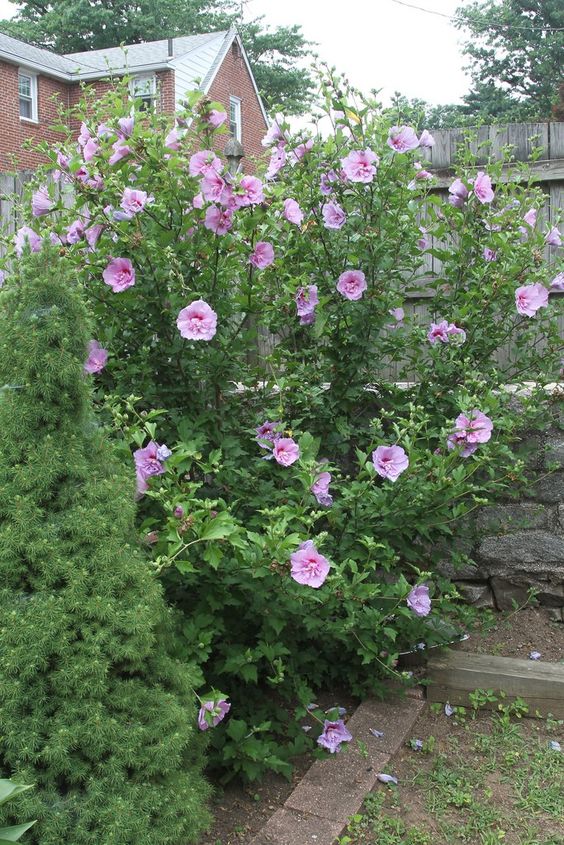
[454, 675]
[542, 171]
[556, 140]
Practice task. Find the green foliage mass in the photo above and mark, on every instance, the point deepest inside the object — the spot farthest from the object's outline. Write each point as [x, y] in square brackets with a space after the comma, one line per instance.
[273, 53]
[515, 48]
[96, 709]
[223, 522]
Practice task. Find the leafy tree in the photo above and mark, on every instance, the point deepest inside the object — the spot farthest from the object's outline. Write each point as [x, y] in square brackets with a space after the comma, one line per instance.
[95, 708]
[273, 53]
[515, 49]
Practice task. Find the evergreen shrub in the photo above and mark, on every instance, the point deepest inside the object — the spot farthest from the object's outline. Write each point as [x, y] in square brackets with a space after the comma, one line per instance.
[96, 709]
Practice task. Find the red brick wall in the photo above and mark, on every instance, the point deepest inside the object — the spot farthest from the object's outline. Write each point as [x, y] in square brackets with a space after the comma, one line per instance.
[14, 131]
[234, 80]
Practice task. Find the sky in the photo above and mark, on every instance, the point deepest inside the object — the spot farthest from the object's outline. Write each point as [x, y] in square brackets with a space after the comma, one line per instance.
[375, 43]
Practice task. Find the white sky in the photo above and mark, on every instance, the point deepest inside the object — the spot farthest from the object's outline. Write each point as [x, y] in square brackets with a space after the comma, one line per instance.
[376, 43]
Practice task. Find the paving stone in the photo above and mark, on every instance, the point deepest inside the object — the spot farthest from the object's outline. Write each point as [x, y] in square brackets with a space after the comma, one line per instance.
[335, 788]
[291, 827]
[394, 717]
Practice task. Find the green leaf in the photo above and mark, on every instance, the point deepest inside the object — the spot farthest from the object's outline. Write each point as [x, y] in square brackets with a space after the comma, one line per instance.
[219, 527]
[237, 729]
[8, 789]
[12, 834]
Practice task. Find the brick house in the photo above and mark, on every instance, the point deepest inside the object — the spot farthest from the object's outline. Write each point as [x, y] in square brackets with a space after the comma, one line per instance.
[33, 80]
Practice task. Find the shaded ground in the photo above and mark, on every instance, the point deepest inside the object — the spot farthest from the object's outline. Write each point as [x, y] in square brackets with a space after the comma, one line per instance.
[480, 779]
[240, 811]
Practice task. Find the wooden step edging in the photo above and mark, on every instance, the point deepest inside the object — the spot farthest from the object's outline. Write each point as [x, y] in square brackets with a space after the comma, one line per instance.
[452, 676]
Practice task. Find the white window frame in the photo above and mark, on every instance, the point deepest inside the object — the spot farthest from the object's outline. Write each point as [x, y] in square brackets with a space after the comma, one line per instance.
[151, 96]
[236, 118]
[23, 73]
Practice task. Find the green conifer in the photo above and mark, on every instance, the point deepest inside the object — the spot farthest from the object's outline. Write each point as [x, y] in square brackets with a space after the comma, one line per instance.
[95, 708]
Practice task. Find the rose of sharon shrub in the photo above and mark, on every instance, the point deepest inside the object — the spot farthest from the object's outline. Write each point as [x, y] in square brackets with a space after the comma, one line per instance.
[315, 369]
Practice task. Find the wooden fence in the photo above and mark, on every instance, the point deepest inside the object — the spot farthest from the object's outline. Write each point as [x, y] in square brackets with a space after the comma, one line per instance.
[487, 143]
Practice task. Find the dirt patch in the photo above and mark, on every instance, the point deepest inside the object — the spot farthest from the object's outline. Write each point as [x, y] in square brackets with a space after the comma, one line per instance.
[240, 810]
[517, 635]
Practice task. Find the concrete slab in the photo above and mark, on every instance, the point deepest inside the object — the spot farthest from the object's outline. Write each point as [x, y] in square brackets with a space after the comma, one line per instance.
[289, 827]
[393, 717]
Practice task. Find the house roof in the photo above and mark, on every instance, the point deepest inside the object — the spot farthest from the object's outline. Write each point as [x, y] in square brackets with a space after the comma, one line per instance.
[201, 50]
[13, 49]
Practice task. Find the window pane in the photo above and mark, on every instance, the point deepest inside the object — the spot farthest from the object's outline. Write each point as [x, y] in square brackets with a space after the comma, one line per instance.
[25, 86]
[25, 109]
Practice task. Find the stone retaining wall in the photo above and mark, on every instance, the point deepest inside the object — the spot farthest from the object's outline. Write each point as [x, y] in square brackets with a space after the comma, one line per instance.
[516, 545]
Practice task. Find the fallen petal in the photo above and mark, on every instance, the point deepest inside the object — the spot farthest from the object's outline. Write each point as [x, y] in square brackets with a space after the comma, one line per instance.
[383, 778]
[449, 710]
[554, 745]
[377, 734]
[535, 655]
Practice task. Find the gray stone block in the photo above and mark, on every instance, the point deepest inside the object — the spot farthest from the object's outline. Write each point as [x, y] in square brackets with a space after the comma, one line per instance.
[549, 489]
[499, 519]
[289, 827]
[537, 551]
[506, 593]
[549, 592]
[478, 594]
[466, 571]
[554, 453]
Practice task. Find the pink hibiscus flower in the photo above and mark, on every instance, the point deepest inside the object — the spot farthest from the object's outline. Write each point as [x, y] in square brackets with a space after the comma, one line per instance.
[197, 321]
[97, 358]
[529, 298]
[119, 274]
[262, 255]
[360, 165]
[352, 284]
[285, 451]
[390, 461]
[402, 139]
[309, 567]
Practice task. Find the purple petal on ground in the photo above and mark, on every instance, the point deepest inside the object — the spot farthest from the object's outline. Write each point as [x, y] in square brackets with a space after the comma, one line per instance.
[535, 655]
[449, 710]
[377, 734]
[554, 745]
[384, 778]
[312, 706]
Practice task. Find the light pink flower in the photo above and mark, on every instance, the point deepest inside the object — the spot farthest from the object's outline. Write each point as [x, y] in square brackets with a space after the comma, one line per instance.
[84, 134]
[553, 238]
[90, 149]
[269, 432]
[120, 150]
[198, 201]
[489, 254]
[438, 332]
[530, 298]
[97, 358]
[457, 333]
[27, 237]
[202, 162]
[470, 430]
[2, 278]
[482, 186]
[398, 314]
[309, 567]
[426, 140]
[360, 165]
[292, 212]
[402, 139]
[273, 135]
[558, 282]
[215, 118]
[172, 140]
[262, 255]
[252, 191]
[419, 600]
[147, 464]
[212, 713]
[104, 131]
[352, 284]
[300, 151]
[213, 186]
[458, 193]
[41, 202]
[133, 201]
[423, 241]
[421, 175]
[390, 461]
[333, 216]
[197, 321]
[126, 125]
[286, 451]
[119, 274]
[306, 300]
[530, 217]
[75, 232]
[333, 734]
[320, 489]
[218, 220]
[277, 162]
[92, 234]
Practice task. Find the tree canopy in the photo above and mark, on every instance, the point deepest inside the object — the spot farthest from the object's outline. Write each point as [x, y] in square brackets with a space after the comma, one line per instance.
[273, 53]
[515, 50]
